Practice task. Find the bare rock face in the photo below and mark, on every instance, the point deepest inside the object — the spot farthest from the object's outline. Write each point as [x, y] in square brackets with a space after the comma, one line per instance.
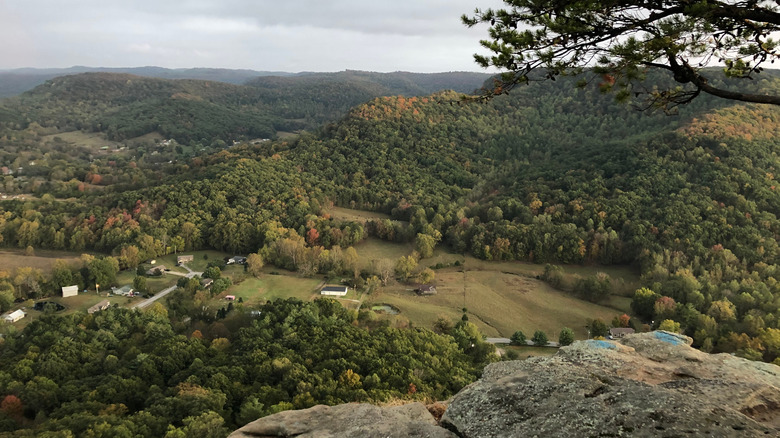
[645, 385]
[348, 421]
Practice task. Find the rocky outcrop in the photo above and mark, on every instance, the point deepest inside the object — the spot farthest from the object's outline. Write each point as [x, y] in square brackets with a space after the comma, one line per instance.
[349, 421]
[645, 385]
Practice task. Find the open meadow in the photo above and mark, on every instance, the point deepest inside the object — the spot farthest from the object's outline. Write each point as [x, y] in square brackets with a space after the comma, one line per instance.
[269, 287]
[498, 302]
[348, 214]
[11, 259]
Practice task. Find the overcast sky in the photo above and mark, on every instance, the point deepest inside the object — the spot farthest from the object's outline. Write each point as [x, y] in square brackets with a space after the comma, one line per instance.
[274, 35]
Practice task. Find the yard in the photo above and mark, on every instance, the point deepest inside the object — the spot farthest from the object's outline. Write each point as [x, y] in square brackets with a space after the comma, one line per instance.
[269, 287]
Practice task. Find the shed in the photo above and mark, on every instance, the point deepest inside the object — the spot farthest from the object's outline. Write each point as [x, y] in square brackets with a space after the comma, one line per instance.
[103, 305]
[207, 282]
[230, 297]
[338, 291]
[69, 291]
[14, 316]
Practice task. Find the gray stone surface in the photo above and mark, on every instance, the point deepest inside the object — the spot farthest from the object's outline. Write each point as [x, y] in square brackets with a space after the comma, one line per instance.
[646, 385]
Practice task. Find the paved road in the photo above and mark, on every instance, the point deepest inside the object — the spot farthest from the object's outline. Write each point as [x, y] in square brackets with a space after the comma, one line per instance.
[164, 292]
[508, 341]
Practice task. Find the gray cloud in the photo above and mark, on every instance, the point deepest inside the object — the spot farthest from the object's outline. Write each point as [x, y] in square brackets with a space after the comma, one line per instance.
[292, 35]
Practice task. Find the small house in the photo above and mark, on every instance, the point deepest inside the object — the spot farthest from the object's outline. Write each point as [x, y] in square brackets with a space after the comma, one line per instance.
[14, 316]
[125, 290]
[338, 291]
[156, 270]
[207, 282]
[619, 332]
[103, 305]
[237, 260]
[426, 289]
[230, 297]
[69, 291]
[184, 259]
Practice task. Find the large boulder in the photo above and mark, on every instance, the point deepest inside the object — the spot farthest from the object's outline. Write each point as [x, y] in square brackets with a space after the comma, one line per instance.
[646, 385]
[349, 421]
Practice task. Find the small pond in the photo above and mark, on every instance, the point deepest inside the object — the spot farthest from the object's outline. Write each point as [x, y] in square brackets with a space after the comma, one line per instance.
[385, 308]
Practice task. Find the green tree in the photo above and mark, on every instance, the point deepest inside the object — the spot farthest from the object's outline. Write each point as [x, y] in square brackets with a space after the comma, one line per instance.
[518, 338]
[565, 337]
[254, 264]
[624, 38]
[212, 272]
[424, 245]
[539, 338]
[669, 326]
[405, 266]
[598, 328]
[139, 284]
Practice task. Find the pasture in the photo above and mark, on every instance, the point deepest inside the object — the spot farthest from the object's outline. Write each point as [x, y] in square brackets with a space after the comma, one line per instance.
[376, 249]
[11, 259]
[498, 302]
[92, 140]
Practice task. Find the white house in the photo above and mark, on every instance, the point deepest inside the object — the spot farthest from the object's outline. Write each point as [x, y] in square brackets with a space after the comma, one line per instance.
[338, 291]
[69, 291]
[14, 316]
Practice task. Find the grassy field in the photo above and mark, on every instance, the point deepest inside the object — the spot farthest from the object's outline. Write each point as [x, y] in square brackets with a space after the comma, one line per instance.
[348, 214]
[94, 140]
[79, 303]
[499, 303]
[375, 249]
[269, 287]
[11, 259]
[155, 284]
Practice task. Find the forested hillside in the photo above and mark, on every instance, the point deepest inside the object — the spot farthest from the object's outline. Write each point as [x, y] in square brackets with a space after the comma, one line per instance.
[194, 111]
[550, 173]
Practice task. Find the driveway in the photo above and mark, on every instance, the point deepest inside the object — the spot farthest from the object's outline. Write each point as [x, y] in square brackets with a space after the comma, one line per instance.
[148, 302]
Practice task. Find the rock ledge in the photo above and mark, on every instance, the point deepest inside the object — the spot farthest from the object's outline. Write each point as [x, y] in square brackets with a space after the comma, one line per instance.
[645, 385]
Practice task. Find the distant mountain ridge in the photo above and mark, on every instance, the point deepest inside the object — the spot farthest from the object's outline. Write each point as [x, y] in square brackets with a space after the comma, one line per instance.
[125, 105]
[16, 81]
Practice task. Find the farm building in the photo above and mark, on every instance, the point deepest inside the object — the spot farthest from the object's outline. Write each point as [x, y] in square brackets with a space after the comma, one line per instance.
[156, 270]
[103, 305]
[338, 291]
[620, 332]
[14, 316]
[184, 259]
[125, 290]
[426, 289]
[69, 291]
